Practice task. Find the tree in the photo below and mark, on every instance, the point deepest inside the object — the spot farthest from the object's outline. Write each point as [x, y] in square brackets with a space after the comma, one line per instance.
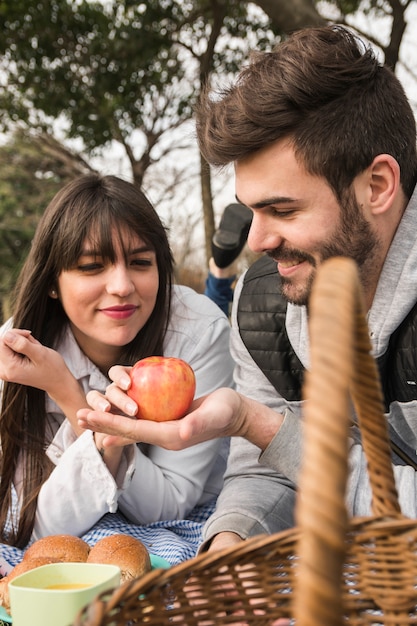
[289, 16]
[129, 72]
[32, 169]
[104, 71]
[117, 71]
[346, 12]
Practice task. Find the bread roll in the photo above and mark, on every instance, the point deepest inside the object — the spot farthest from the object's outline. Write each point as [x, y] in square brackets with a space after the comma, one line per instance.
[51, 549]
[20, 568]
[59, 547]
[128, 553]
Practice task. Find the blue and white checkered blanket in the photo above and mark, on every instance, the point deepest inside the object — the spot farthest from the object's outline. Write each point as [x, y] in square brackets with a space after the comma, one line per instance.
[174, 540]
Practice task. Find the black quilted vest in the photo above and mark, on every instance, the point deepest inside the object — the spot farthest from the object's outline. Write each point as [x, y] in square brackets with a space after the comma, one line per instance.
[261, 318]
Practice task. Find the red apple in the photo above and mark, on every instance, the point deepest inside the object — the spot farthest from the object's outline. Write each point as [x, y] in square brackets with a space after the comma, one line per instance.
[162, 387]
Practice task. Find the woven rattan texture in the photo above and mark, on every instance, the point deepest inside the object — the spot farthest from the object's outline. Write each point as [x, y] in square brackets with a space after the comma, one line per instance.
[329, 570]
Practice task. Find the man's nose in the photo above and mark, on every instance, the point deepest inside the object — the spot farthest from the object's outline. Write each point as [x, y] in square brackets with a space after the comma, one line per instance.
[263, 235]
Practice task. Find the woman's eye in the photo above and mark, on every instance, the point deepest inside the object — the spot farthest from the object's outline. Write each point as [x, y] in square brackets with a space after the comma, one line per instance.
[89, 267]
[142, 262]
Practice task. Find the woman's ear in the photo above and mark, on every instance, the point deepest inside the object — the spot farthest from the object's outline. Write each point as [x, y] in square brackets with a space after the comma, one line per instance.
[384, 183]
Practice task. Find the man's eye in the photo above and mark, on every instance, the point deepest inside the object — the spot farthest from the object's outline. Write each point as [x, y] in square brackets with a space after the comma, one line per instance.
[284, 214]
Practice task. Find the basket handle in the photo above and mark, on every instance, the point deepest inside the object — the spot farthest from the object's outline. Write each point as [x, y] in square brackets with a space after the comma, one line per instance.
[342, 370]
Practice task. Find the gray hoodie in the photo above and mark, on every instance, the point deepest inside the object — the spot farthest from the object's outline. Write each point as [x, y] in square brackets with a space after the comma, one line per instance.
[259, 487]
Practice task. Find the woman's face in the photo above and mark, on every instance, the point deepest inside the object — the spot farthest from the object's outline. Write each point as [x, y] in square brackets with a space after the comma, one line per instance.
[109, 303]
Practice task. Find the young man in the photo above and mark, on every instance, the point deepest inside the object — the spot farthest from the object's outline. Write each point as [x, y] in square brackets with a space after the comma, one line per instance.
[323, 142]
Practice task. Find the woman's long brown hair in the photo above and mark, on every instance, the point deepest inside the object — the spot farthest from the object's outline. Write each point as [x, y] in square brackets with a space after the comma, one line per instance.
[90, 206]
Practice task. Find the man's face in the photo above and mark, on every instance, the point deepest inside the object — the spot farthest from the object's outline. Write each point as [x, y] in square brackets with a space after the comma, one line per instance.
[299, 222]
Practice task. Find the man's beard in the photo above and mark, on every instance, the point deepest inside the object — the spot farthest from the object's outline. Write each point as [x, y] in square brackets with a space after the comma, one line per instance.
[353, 238]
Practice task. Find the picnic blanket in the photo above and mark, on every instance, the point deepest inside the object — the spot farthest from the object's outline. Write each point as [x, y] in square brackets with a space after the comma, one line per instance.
[173, 540]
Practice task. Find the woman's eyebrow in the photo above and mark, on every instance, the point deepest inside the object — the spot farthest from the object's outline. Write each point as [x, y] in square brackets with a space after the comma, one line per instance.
[137, 250]
[143, 248]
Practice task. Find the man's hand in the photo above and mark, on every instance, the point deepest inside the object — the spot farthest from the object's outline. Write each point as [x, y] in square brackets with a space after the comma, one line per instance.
[222, 413]
[224, 540]
[213, 416]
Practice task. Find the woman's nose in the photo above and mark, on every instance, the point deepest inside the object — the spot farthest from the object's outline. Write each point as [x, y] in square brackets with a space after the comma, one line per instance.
[119, 281]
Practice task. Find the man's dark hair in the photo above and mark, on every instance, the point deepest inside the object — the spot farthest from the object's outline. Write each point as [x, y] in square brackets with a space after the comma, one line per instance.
[327, 92]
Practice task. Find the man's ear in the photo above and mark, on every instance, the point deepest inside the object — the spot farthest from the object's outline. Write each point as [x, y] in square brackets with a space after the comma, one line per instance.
[384, 183]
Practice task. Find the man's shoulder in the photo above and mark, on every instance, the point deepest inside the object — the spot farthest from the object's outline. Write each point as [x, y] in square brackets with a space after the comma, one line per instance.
[260, 316]
[261, 289]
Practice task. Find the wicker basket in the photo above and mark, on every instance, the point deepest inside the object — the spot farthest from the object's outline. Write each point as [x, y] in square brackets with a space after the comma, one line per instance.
[328, 570]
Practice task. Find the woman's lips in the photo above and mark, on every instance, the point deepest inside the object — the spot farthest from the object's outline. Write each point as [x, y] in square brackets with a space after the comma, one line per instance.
[120, 312]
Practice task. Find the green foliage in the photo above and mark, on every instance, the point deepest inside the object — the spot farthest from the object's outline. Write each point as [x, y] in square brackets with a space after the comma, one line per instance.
[106, 68]
[120, 71]
[94, 65]
[117, 70]
[378, 8]
[105, 71]
[32, 169]
[346, 7]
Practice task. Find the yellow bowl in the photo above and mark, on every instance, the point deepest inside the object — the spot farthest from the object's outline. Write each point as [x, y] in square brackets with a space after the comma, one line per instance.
[52, 595]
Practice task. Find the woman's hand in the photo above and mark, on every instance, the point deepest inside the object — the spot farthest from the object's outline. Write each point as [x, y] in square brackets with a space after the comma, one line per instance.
[26, 361]
[222, 413]
[114, 413]
[213, 416]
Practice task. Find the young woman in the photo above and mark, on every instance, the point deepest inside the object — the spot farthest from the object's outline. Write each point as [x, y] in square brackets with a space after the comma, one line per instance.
[97, 290]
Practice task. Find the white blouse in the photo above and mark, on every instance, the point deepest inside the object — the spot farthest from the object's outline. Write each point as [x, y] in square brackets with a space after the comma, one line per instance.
[152, 483]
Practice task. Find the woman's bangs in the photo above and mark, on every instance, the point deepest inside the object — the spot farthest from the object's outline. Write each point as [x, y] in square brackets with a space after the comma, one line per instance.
[111, 234]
